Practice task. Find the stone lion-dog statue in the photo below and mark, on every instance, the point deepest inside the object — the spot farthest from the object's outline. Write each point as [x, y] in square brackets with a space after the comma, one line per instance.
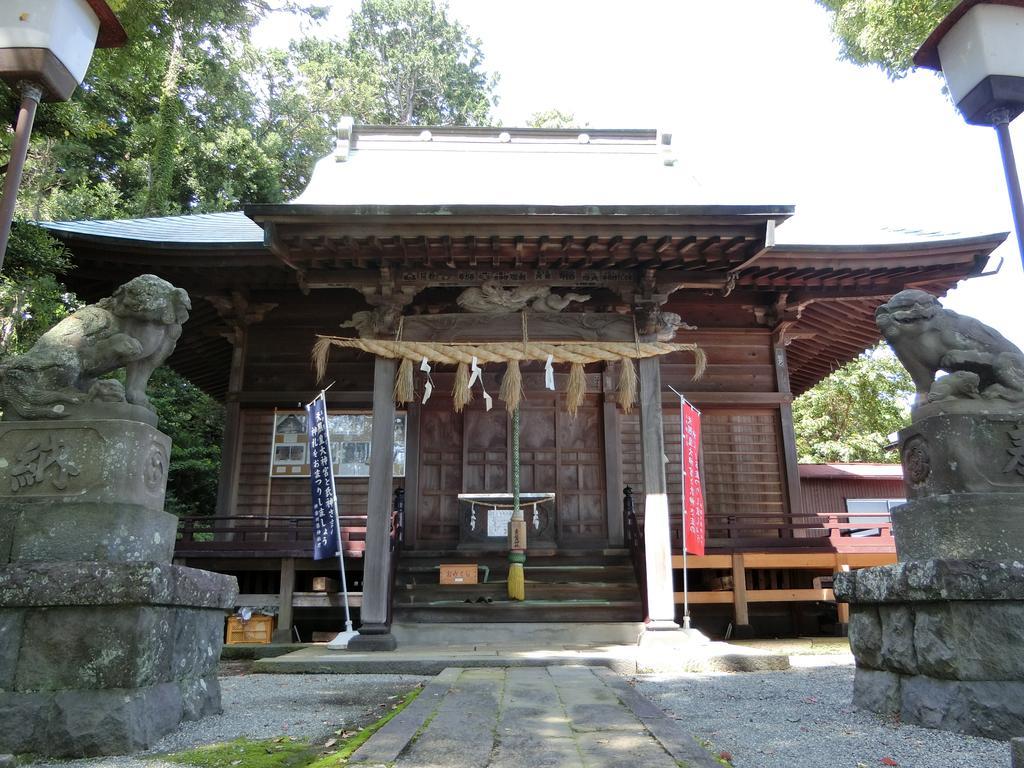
[136, 328]
[927, 338]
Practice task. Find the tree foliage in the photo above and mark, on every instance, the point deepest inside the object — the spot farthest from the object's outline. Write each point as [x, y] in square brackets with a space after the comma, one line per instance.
[409, 64]
[189, 117]
[552, 118]
[885, 33]
[850, 415]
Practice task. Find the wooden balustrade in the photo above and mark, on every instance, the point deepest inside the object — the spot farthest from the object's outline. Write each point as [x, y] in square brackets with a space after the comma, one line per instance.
[809, 531]
[258, 536]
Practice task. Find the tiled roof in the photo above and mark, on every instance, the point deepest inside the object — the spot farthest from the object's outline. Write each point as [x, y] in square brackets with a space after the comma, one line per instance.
[206, 228]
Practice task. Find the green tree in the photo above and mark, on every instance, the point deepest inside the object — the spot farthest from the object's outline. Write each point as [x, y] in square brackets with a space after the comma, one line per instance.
[32, 298]
[885, 33]
[195, 423]
[407, 63]
[850, 415]
[188, 117]
[552, 118]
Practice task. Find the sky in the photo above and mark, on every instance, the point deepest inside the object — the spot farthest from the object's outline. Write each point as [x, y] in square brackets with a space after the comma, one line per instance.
[761, 110]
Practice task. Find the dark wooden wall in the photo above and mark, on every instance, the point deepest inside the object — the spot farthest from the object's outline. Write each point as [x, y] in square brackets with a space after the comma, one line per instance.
[829, 496]
[744, 465]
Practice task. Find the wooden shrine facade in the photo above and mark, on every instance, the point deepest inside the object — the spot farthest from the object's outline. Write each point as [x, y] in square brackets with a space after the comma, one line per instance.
[771, 318]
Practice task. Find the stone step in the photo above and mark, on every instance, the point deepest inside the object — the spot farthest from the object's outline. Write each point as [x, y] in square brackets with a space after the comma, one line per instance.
[446, 633]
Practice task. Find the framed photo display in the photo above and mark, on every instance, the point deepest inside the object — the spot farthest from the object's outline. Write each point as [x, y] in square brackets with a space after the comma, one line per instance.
[350, 444]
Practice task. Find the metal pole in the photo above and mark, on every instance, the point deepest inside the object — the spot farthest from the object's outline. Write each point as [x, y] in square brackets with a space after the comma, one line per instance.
[31, 95]
[1001, 122]
[682, 479]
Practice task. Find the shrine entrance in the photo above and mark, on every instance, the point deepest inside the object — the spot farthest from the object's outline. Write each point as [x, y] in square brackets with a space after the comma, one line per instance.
[470, 453]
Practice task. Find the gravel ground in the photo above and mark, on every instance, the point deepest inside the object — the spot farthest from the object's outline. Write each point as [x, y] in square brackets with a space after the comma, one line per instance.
[266, 706]
[803, 718]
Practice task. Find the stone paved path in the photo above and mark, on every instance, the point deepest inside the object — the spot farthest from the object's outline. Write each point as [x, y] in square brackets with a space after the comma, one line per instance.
[545, 717]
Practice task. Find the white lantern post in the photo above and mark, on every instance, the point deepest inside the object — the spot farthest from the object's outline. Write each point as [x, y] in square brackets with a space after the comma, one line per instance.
[979, 47]
[45, 49]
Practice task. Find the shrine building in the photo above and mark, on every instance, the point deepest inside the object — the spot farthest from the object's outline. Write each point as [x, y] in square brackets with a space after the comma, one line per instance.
[416, 248]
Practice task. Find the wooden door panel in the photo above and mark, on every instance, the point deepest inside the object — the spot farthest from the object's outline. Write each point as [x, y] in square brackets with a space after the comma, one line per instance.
[440, 474]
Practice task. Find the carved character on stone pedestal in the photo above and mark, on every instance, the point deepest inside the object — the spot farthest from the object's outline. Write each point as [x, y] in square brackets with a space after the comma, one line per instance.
[927, 338]
[136, 329]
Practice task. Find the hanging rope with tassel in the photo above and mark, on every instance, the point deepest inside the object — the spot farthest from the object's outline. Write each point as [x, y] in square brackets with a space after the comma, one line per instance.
[576, 353]
[516, 526]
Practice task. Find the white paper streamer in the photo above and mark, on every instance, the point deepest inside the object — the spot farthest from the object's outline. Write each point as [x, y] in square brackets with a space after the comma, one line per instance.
[549, 373]
[477, 373]
[428, 387]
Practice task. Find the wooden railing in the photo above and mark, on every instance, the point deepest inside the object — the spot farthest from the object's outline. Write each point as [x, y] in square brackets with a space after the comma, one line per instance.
[819, 532]
[634, 537]
[258, 536]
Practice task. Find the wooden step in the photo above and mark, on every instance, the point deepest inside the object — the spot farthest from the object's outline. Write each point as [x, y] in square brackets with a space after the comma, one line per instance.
[621, 574]
[498, 590]
[520, 611]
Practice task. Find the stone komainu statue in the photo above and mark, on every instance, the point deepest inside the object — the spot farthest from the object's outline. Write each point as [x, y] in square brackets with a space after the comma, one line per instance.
[928, 338]
[136, 329]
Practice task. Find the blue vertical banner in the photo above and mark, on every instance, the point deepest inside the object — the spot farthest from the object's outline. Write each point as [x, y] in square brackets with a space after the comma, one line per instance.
[321, 481]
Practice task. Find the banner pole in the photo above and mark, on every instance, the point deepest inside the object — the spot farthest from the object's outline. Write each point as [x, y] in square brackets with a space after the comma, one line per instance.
[682, 478]
[340, 642]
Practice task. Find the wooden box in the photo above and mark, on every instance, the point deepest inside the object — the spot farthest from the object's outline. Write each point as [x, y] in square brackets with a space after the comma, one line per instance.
[258, 629]
[455, 573]
[324, 584]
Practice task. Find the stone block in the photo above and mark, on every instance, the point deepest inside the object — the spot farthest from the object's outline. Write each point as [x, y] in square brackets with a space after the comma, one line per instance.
[971, 640]
[27, 718]
[113, 721]
[116, 533]
[92, 583]
[90, 722]
[99, 461]
[127, 647]
[200, 697]
[993, 709]
[865, 632]
[11, 623]
[963, 526]
[897, 653]
[933, 580]
[1017, 753]
[6, 535]
[961, 453]
[198, 639]
[877, 691]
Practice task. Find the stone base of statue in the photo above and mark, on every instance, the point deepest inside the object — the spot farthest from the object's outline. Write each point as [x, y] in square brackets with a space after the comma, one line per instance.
[104, 645]
[940, 643]
[939, 637]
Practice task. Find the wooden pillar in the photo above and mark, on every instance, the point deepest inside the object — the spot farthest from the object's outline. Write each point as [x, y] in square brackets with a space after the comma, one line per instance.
[790, 457]
[657, 535]
[231, 447]
[285, 612]
[842, 609]
[612, 460]
[375, 629]
[741, 616]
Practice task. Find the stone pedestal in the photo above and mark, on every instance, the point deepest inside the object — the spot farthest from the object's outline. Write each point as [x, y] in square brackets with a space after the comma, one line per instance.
[940, 643]
[104, 645]
[939, 637]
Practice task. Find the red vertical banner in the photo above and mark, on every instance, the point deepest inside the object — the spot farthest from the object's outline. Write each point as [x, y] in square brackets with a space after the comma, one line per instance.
[693, 491]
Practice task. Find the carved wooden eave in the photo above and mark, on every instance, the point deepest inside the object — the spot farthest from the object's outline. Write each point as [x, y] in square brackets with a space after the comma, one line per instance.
[460, 246]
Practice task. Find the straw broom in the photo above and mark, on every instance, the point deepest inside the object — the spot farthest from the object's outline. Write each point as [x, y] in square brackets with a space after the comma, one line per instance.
[516, 526]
